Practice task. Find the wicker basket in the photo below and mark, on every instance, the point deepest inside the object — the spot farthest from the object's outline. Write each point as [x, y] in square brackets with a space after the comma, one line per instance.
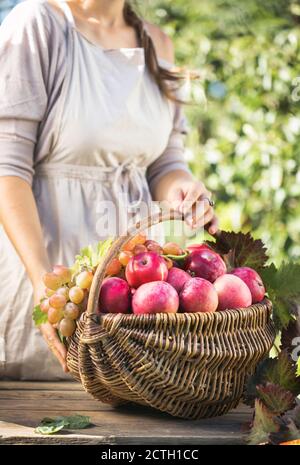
[191, 365]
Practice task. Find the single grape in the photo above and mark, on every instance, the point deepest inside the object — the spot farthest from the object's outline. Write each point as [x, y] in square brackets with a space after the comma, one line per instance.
[153, 246]
[139, 239]
[84, 279]
[76, 295]
[124, 257]
[113, 268]
[63, 291]
[171, 248]
[139, 248]
[71, 311]
[57, 301]
[67, 327]
[52, 281]
[44, 305]
[55, 315]
[63, 272]
[49, 292]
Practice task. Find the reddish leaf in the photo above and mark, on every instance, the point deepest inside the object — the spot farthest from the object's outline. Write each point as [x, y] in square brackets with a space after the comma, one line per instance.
[263, 426]
[239, 249]
[277, 399]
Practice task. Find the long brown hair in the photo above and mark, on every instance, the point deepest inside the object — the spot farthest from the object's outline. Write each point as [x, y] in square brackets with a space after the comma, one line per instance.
[162, 76]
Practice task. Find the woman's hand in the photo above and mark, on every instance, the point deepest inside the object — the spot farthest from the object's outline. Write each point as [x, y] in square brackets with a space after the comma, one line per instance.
[55, 345]
[190, 197]
[50, 334]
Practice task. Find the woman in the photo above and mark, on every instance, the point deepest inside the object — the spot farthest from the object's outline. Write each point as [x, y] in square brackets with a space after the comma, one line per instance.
[86, 114]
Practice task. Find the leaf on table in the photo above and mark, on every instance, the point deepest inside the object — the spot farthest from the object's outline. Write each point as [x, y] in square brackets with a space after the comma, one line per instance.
[76, 421]
[277, 399]
[49, 426]
[53, 425]
[264, 424]
[283, 373]
[38, 316]
[239, 249]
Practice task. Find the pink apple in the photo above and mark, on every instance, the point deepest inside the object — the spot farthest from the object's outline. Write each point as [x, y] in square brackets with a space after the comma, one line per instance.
[232, 292]
[198, 295]
[115, 296]
[206, 264]
[155, 297]
[177, 278]
[253, 281]
[144, 268]
[196, 247]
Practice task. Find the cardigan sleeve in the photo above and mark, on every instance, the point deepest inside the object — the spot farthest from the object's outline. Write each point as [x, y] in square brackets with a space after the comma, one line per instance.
[173, 156]
[24, 62]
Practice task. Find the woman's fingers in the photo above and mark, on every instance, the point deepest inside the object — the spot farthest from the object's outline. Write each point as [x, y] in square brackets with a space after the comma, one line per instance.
[194, 194]
[55, 345]
[201, 221]
[214, 225]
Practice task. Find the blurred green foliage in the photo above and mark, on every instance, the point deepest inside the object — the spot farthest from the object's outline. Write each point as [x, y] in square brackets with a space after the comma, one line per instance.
[244, 142]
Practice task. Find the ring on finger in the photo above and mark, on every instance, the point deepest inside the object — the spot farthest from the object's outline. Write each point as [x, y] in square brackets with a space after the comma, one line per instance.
[210, 201]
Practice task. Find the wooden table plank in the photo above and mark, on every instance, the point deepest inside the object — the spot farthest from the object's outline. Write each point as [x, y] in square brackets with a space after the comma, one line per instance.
[22, 407]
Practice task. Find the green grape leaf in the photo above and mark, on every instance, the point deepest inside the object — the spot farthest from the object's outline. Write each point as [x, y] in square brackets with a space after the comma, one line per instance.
[38, 316]
[277, 399]
[49, 429]
[264, 424]
[283, 373]
[282, 286]
[53, 425]
[76, 421]
[298, 367]
[239, 249]
[90, 256]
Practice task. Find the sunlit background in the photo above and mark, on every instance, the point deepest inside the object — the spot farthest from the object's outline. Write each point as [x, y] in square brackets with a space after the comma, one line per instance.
[245, 142]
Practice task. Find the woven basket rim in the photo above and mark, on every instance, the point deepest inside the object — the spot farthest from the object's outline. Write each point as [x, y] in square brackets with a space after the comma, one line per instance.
[265, 304]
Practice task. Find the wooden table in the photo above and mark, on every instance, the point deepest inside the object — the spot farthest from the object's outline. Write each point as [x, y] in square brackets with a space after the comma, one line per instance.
[24, 404]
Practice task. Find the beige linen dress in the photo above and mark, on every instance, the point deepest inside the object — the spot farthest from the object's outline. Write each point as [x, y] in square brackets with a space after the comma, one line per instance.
[81, 124]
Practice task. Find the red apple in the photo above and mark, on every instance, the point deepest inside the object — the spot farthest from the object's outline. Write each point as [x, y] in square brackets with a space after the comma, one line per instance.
[253, 281]
[177, 278]
[146, 267]
[115, 296]
[232, 292]
[198, 295]
[155, 297]
[206, 264]
[196, 247]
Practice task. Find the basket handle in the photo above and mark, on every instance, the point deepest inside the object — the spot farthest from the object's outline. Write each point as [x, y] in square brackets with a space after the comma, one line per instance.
[116, 246]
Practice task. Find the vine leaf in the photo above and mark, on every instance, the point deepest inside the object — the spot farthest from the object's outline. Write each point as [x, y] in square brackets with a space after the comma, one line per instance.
[38, 316]
[283, 373]
[53, 425]
[283, 289]
[264, 424]
[277, 399]
[239, 249]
